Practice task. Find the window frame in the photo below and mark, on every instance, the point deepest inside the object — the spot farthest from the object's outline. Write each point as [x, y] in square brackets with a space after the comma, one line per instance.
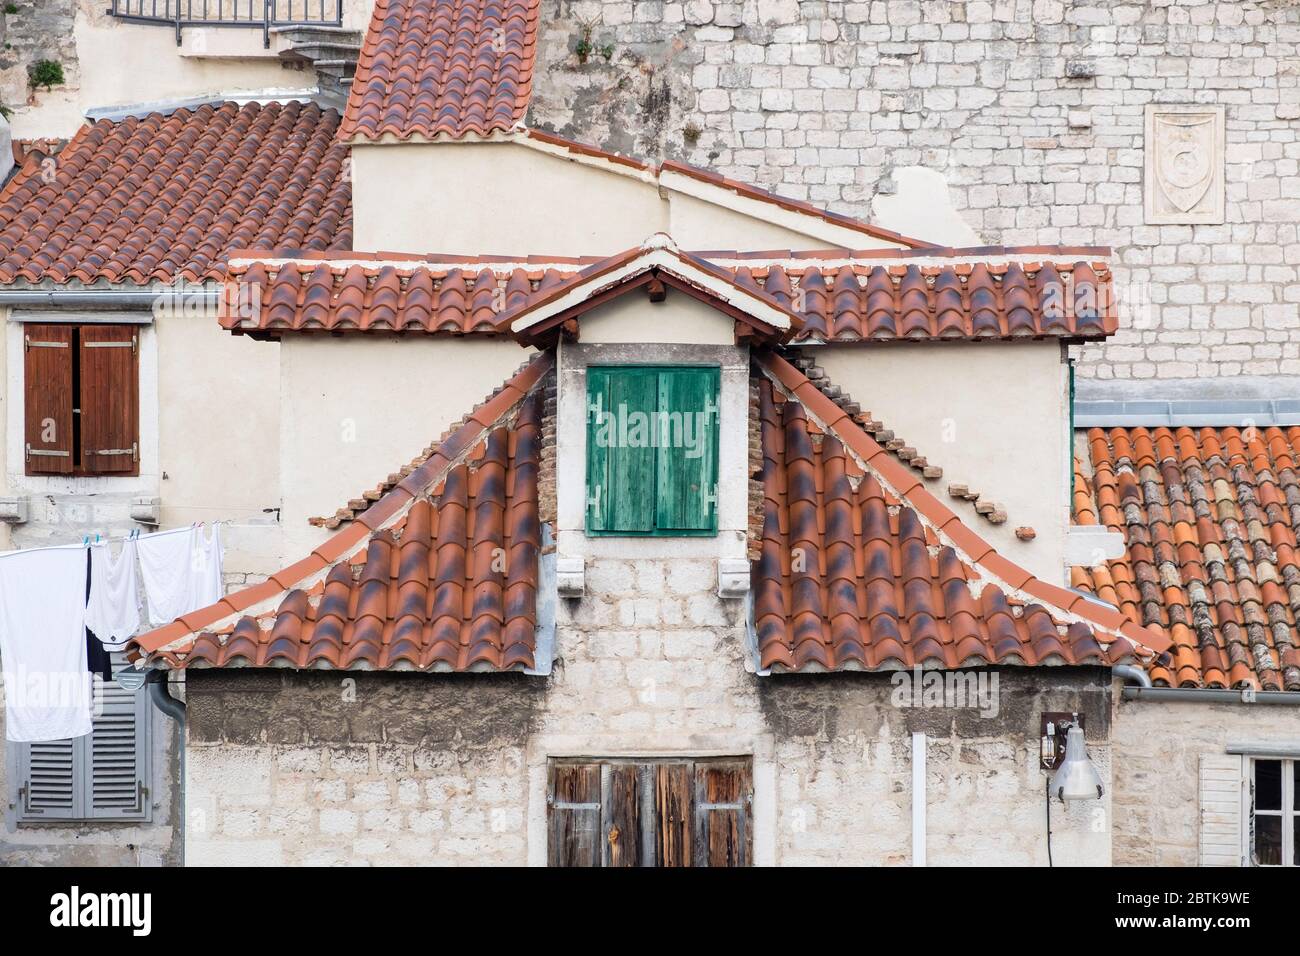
[83, 810]
[715, 451]
[619, 790]
[1288, 810]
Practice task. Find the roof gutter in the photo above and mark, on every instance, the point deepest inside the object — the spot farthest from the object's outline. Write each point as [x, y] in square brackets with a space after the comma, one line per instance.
[1211, 695]
[97, 298]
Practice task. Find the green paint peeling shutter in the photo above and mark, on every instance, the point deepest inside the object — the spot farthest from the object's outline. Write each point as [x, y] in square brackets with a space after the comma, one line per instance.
[687, 499]
[621, 454]
[652, 450]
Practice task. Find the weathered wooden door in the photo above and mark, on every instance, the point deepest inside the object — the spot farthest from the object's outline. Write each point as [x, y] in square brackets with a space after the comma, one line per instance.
[665, 812]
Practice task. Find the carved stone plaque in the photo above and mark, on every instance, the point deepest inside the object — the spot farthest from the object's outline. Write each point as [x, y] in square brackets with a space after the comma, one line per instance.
[1184, 164]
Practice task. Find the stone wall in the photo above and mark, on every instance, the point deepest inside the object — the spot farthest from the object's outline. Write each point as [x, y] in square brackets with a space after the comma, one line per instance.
[1031, 109]
[1157, 749]
[415, 768]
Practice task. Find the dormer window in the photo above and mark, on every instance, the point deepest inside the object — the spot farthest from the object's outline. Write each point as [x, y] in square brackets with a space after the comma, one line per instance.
[652, 450]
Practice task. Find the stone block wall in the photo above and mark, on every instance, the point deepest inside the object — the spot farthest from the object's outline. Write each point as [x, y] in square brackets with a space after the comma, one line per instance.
[1157, 756]
[1031, 109]
[356, 768]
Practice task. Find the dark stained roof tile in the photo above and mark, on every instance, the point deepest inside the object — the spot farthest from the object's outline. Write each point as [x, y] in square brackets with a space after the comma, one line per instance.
[168, 195]
[448, 68]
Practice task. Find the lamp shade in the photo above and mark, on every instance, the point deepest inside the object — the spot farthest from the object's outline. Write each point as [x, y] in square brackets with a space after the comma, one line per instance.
[1076, 778]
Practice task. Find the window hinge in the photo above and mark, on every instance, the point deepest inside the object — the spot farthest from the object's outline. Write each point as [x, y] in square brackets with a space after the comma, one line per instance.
[32, 344]
[42, 453]
[116, 451]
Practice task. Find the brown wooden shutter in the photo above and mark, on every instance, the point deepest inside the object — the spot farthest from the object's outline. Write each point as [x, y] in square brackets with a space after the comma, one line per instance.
[723, 795]
[47, 399]
[110, 400]
[673, 784]
[573, 810]
[621, 819]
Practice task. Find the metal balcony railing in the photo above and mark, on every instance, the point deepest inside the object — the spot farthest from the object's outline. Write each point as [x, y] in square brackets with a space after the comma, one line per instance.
[230, 13]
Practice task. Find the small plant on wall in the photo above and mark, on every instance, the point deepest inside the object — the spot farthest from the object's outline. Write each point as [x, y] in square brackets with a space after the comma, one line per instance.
[586, 46]
[46, 73]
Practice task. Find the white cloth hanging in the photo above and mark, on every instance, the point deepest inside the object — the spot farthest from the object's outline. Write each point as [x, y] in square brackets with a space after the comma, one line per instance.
[113, 609]
[43, 644]
[209, 556]
[167, 567]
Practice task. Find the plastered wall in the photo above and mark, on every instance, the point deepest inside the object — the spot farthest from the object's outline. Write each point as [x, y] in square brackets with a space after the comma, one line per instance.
[355, 411]
[993, 416]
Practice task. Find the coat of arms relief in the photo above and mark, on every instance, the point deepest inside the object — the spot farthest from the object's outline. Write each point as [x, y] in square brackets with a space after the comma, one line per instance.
[1184, 164]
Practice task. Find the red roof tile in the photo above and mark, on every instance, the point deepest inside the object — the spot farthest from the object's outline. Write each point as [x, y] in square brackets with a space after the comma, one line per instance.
[863, 569]
[993, 300]
[450, 68]
[1210, 518]
[858, 299]
[446, 578]
[158, 196]
[366, 294]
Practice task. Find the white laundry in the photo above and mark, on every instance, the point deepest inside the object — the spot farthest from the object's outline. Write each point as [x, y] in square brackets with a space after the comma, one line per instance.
[113, 608]
[167, 567]
[43, 644]
[208, 558]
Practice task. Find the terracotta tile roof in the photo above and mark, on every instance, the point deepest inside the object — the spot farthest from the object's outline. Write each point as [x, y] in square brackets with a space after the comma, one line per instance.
[656, 265]
[453, 296]
[983, 300]
[862, 568]
[857, 298]
[448, 68]
[1210, 518]
[439, 574]
[149, 198]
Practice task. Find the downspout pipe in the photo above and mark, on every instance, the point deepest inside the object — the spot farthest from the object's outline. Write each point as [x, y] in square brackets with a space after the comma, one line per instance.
[174, 709]
[1133, 675]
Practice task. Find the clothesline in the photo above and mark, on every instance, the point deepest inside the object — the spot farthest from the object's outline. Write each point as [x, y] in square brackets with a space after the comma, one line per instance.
[65, 608]
[97, 538]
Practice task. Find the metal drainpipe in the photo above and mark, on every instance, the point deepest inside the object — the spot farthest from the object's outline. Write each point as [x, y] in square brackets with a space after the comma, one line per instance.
[173, 708]
[1132, 675]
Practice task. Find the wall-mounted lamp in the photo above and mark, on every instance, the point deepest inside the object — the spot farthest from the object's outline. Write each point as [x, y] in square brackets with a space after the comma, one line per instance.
[1075, 778]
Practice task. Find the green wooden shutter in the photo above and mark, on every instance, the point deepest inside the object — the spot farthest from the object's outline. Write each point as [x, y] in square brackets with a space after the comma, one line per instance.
[621, 406]
[688, 449]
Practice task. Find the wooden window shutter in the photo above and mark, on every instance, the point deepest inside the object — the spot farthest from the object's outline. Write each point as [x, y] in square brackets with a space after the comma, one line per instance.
[1222, 783]
[723, 797]
[573, 815]
[688, 449]
[621, 816]
[673, 829]
[110, 399]
[117, 755]
[620, 449]
[47, 399]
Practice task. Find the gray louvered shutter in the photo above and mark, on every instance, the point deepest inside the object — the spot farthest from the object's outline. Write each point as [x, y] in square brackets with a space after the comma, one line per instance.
[117, 755]
[48, 780]
[101, 776]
